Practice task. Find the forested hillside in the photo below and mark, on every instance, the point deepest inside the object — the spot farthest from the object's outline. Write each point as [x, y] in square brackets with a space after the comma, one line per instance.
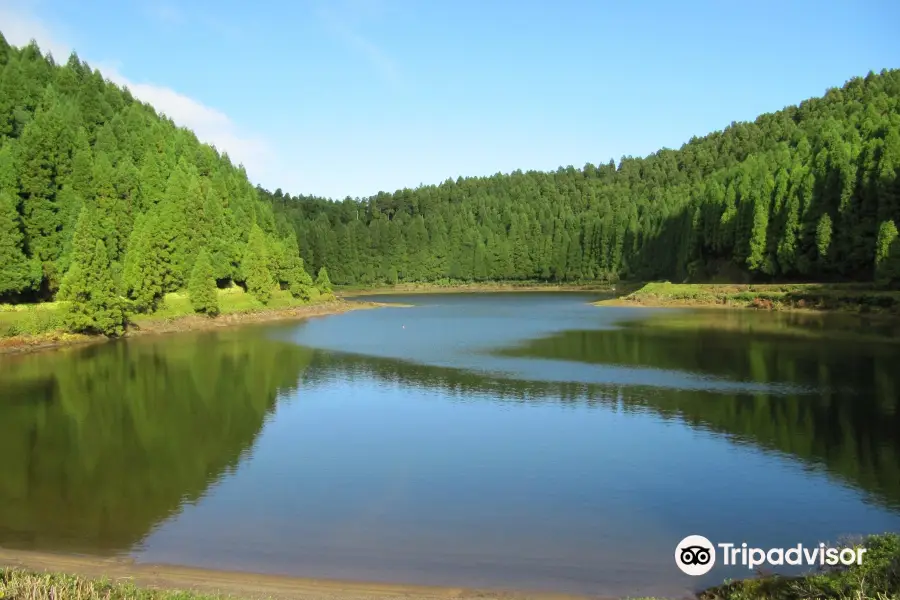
[808, 193]
[107, 205]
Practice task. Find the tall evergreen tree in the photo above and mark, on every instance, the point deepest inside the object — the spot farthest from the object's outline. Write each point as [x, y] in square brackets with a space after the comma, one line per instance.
[16, 271]
[145, 276]
[887, 254]
[323, 283]
[255, 266]
[202, 287]
[94, 305]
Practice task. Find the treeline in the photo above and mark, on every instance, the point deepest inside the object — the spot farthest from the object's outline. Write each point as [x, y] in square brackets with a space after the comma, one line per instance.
[811, 192]
[107, 205]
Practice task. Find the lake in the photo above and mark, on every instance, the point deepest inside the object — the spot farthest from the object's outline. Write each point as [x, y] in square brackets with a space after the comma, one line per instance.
[522, 440]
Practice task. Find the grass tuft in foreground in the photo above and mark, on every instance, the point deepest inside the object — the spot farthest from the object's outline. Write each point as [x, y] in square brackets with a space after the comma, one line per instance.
[877, 578]
[18, 584]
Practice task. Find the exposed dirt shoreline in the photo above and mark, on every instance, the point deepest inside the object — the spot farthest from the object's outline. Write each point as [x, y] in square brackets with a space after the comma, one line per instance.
[472, 288]
[33, 343]
[247, 585]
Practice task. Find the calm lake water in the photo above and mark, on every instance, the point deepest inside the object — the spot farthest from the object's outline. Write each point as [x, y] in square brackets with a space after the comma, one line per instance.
[506, 440]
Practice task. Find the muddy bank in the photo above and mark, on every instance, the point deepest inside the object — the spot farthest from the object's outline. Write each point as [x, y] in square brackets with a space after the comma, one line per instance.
[193, 322]
[246, 585]
[425, 288]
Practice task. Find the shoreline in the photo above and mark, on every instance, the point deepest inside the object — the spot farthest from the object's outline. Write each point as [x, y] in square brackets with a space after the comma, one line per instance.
[474, 288]
[796, 298]
[247, 585]
[192, 322]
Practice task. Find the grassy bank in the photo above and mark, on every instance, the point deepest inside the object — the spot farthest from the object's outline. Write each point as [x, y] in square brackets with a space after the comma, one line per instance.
[856, 298]
[878, 578]
[37, 326]
[35, 576]
[449, 286]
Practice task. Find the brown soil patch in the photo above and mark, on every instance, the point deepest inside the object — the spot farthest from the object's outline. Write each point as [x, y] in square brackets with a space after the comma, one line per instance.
[247, 585]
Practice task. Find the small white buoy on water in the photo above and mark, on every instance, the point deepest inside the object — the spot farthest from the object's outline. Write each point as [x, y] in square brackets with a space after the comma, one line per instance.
[403, 326]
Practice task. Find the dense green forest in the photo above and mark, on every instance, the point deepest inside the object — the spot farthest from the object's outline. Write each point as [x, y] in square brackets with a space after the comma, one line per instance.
[811, 192]
[108, 206]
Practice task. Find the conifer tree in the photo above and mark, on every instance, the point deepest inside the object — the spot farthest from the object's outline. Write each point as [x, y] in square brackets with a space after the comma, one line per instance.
[144, 274]
[202, 286]
[293, 274]
[255, 266]
[16, 272]
[301, 284]
[9, 179]
[323, 284]
[94, 305]
[887, 254]
[823, 236]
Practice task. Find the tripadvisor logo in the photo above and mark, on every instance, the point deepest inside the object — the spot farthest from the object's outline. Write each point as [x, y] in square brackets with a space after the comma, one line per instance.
[696, 555]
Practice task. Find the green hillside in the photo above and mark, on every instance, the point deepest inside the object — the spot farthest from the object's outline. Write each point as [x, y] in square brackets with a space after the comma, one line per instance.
[107, 205]
[809, 193]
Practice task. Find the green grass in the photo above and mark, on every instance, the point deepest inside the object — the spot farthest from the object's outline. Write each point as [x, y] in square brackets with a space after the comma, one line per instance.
[846, 297]
[233, 300]
[18, 584]
[878, 578]
[30, 319]
[45, 318]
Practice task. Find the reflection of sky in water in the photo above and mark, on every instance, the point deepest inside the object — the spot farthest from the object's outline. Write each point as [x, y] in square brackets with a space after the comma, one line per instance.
[372, 479]
[452, 331]
[369, 467]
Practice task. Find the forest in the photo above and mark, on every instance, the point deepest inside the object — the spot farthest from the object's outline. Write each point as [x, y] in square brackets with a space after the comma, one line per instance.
[107, 205]
[808, 193]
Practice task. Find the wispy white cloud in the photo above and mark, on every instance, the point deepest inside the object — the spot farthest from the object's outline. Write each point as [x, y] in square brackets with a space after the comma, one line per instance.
[373, 53]
[165, 12]
[20, 26]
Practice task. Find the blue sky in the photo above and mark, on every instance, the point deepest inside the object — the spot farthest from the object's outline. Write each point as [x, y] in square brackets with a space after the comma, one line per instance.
[349, 97]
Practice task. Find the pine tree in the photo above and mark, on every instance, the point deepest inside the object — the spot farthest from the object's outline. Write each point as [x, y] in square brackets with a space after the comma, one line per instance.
[144, 275]
[16, 271]
[9, 178]
[112, 210]
[300, 284]
[323, 284]
[202, 287]
[94, 305]
[294, 275]
[887, 254]
[255, 266]
[823, 237]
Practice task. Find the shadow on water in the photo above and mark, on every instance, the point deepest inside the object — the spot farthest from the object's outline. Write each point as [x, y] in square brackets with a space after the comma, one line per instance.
[843, 418]
[112, 439]
[371, 467]
[744, 346]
